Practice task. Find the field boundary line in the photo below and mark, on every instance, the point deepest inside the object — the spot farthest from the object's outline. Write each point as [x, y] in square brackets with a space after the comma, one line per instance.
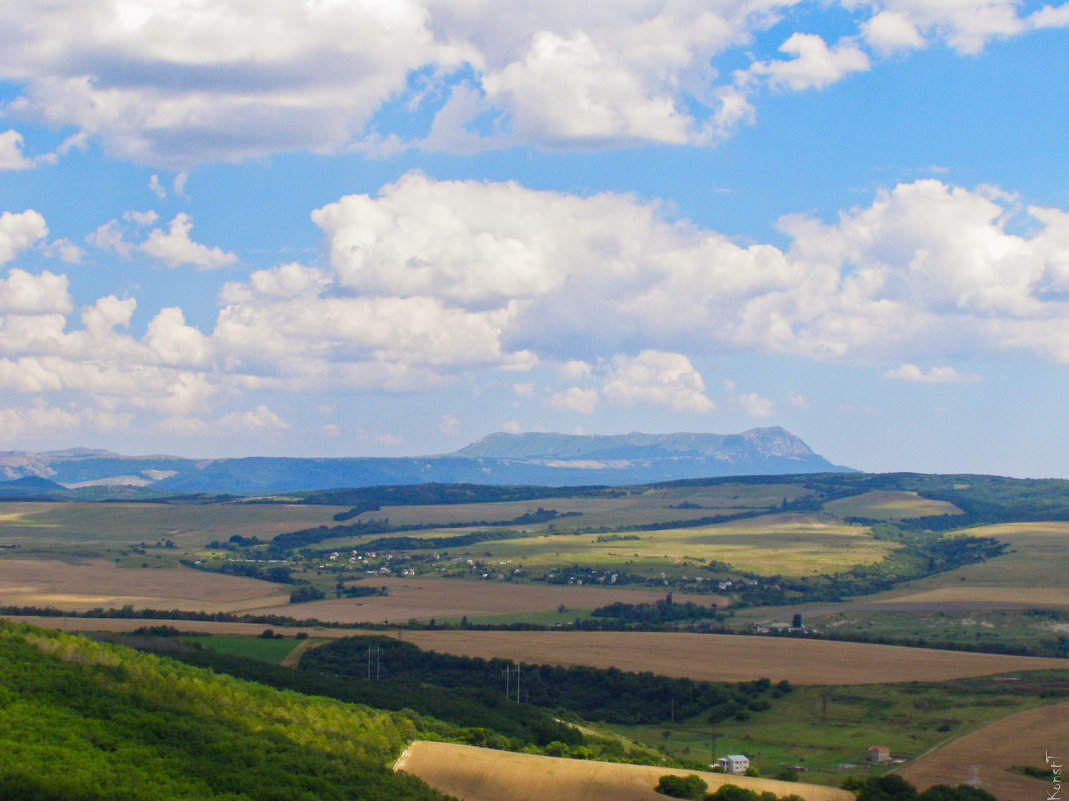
[293, 658]
[401, 760]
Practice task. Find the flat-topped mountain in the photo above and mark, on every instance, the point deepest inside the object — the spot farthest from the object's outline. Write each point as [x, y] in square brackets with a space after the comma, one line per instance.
[534, 458]
[766, 443]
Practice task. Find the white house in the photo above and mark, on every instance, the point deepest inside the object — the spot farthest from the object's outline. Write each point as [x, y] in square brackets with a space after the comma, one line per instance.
[733, 763]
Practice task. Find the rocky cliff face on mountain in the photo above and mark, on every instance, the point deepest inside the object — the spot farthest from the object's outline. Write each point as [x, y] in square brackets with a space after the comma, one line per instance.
[533, 458]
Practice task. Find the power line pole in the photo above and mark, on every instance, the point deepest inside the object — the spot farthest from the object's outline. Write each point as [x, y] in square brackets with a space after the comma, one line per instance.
[519, 670]
[507, 672]
[369, 663]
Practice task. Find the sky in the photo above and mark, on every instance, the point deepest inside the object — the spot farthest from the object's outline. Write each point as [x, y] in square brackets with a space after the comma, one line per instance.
[392, 227]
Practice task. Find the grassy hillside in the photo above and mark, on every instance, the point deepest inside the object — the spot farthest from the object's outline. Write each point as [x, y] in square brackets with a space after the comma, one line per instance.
[89, 721]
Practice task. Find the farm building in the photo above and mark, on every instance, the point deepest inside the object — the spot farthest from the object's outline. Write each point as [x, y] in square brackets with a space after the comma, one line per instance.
[878, 753]
[733, 763]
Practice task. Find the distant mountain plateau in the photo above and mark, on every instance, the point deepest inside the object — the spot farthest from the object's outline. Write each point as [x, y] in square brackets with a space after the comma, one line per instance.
[543, 459]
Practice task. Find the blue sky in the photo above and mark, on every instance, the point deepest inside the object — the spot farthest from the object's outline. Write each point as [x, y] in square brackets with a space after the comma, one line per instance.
[387, 228]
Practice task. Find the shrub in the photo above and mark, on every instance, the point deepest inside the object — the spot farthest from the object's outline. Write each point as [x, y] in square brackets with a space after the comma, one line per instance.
[691, 786]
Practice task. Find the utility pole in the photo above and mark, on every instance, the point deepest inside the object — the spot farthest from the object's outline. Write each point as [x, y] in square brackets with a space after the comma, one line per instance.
[369, 663]
[519, 670]
[378, 662]
[507, 672]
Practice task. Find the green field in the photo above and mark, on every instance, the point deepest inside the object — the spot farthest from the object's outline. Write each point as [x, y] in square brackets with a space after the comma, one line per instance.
[979, 629]
[1033, 570]
[889, 505]
[771, 545]
[262, 649]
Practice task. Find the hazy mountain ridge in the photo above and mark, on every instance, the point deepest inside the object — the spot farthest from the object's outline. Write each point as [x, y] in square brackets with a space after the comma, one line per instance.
[532, 458]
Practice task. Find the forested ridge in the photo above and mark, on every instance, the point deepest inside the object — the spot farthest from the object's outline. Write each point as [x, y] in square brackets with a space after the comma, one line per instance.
[594, 694]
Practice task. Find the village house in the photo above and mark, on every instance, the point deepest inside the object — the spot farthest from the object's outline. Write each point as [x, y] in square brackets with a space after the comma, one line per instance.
[733, 763]
[878, 753]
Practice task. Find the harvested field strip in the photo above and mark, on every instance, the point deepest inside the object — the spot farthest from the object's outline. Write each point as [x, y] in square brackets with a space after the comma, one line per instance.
[1021, 740]
[719, 657]
[99, 583]
[725, 657]
[120, 625]
[481, 774]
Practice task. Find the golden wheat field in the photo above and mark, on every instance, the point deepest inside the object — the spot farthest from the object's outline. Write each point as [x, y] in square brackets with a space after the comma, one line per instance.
[1021, 740]
[727, 657]
[481, 774]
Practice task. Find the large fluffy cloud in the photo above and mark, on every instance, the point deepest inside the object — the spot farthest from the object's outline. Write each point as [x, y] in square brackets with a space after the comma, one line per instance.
[558, 274]
[428, 281]
[187, 82]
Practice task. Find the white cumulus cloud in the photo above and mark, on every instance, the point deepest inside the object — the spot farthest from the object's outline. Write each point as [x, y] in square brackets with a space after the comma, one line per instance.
[428, 282]
[575, 399]
[19, 231]
[814, 65]
[184, 83]
[935, 375]
[658, 378]
[889, 31]
[175, 249]
[11, 157]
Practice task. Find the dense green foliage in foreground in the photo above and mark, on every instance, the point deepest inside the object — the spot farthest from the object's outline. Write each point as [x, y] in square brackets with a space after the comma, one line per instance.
[89, 721]
[895, 788]
[878, 788]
